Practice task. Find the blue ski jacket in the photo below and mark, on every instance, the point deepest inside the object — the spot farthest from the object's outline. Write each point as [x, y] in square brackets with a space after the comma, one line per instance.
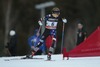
[34, 40]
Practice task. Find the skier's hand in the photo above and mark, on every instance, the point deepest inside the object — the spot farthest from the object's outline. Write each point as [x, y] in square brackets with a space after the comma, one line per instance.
[64, 20]
[34, 48]
[40, 23]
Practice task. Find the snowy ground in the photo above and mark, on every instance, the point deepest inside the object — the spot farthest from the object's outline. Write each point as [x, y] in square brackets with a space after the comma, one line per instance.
[57, 62]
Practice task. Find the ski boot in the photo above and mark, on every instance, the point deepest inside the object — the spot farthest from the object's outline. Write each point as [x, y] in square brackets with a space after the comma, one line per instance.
[49, 56]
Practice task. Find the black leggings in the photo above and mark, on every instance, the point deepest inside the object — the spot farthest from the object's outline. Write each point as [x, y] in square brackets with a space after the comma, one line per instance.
[47, 32]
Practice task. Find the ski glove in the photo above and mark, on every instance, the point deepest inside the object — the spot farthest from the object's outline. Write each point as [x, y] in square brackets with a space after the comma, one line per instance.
[40, 23]
[64, 20]
[34, 48]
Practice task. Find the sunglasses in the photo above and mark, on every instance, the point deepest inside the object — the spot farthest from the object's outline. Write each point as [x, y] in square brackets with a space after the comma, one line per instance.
[56, 12]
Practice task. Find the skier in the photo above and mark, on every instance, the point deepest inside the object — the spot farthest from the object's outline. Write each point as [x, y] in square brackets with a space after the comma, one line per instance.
[33, 41]
[51, 21]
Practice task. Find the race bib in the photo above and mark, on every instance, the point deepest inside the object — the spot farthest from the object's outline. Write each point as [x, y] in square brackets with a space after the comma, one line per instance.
[48, 23]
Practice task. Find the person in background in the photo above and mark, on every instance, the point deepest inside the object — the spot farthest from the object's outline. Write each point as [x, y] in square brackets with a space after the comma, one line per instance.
[12, 43]
[81, 34]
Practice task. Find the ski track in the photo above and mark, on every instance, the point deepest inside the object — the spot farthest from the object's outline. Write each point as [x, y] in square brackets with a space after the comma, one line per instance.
[57, 61]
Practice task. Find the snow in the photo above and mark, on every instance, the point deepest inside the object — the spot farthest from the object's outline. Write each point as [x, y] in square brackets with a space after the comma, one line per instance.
[57, 61]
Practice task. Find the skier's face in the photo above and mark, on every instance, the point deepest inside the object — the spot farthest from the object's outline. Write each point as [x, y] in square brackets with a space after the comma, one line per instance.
[55, 14]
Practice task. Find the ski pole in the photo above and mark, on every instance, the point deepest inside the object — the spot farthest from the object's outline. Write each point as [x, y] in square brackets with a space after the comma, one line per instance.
[39, 29]
[36, 39]
[62, 43]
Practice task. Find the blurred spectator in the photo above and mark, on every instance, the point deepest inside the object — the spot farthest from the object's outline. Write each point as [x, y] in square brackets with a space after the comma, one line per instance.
[34, 40]
[11, 45]
[81, 34]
